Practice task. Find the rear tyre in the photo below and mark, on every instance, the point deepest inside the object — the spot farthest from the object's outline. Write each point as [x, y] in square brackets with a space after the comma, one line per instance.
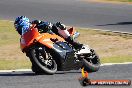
[91, 62]
[42, 61]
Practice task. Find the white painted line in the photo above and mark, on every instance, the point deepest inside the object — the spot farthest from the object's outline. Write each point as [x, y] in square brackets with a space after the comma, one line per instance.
[17, 70]
[108, 64]
[22, 70]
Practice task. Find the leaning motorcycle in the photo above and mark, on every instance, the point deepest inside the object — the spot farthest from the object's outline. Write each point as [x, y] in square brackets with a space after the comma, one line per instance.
[49, 53]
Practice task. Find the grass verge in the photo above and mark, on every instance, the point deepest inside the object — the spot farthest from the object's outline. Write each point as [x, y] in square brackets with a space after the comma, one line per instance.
[111, 47]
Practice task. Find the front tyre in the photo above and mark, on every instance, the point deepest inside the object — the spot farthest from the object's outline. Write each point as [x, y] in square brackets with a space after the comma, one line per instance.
[42, 61]
[91, 62]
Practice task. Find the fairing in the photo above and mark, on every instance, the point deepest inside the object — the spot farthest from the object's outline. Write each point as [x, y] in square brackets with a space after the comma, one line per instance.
[32, 36]
[65, 54]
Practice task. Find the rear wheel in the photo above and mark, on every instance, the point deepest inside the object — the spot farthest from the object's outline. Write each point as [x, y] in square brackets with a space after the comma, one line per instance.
[42, 61]
[91, 62]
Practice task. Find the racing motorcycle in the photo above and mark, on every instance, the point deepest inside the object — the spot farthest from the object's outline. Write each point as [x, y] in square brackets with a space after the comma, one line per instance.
[49, 53]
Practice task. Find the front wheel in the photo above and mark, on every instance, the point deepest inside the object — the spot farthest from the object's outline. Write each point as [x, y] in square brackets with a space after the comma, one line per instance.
[91, 62]
[42, 61]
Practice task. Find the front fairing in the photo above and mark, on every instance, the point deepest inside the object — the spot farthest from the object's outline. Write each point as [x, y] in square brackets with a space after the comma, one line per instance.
[33, 36]
[28, 37]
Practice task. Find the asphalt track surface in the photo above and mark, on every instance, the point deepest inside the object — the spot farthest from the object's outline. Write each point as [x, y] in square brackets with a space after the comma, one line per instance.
[68, 79]
[115, 17]
[74, 13]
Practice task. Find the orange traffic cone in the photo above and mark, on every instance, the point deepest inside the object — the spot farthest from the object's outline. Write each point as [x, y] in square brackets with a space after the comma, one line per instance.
[84, 81]
[84, 73]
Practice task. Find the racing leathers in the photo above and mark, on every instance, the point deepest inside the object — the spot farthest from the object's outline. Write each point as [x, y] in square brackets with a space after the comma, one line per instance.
[57, 28]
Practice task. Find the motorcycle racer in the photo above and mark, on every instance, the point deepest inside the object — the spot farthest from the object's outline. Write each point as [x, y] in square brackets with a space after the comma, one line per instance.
[22, 24]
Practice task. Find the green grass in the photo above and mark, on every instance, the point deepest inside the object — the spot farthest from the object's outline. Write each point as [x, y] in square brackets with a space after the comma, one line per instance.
[117, 59]
[111, 47]
[14, 64]
[10, 53]
[7, 33]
